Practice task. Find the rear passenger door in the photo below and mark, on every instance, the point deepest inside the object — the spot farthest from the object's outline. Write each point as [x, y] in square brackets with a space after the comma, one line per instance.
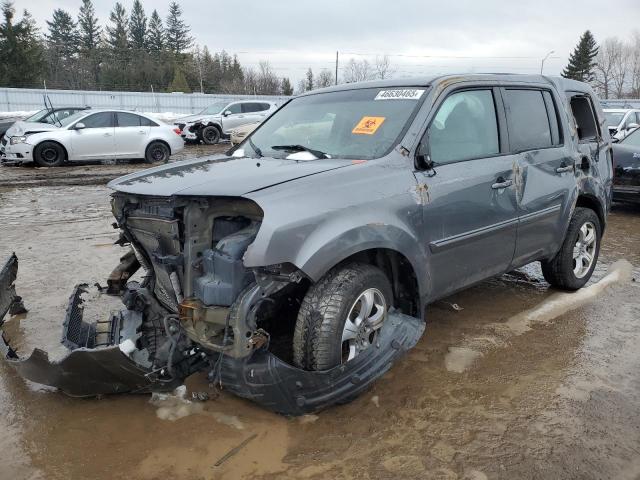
[131, 135]
[470, 212]
[545, 175]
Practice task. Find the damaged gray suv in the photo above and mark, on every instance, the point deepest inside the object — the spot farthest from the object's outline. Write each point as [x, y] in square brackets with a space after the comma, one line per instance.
[297, 268]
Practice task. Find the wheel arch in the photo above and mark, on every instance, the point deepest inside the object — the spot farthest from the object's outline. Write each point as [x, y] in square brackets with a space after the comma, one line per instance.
[160, 140]
[48, 140]
[586, 200]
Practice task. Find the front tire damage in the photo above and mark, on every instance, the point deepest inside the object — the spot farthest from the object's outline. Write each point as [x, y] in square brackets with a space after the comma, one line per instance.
[144, 348]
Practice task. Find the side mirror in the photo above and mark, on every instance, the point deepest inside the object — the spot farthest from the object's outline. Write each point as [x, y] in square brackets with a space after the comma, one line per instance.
[615, 139]
[227, 113]
[79, 126]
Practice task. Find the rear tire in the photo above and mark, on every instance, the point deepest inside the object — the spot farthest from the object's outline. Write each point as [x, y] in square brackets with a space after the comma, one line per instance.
[210, 135]
[49, 154]
[328, 331]
[573, 265]
[157, 152]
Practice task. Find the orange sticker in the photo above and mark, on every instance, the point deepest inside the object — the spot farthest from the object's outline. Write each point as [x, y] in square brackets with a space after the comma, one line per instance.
[368, 125]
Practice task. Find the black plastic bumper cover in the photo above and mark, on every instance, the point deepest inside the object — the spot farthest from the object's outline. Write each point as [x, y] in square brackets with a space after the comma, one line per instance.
[83, 371]
[288, 390]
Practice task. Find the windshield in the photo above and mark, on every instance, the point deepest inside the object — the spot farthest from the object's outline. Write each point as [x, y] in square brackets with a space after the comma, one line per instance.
[354, 124]
[72, 118]
[36, 116]
[614, 118]
[215, 108]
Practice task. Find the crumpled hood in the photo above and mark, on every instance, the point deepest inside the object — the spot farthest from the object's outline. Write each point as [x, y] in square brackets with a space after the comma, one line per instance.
[220, 175]
[196, 116]
[20, 128]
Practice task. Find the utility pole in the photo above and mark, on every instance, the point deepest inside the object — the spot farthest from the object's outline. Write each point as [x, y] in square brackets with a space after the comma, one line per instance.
[336, 67]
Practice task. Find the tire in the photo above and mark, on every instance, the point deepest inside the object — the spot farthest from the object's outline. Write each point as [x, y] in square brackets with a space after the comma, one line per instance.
[157, 152]
[571, 269]
[318, 337]
[49, 154]
[210, 135]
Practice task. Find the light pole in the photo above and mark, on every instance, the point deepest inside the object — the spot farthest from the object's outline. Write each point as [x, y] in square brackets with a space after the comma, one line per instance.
[543, 60]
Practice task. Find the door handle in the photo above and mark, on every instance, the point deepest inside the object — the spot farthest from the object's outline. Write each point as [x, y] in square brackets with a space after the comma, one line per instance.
[502, 183]
[564, 168]
[106, 134]
[141, 132]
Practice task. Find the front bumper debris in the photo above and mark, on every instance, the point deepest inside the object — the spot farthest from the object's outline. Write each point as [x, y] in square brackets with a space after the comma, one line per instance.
[288, 390]
[119, 355]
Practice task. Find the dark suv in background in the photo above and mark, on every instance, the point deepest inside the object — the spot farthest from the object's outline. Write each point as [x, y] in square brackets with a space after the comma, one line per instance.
[298, 267]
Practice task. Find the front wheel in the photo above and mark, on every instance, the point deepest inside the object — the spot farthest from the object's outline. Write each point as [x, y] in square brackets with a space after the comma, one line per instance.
[210, 135]
[157, 152]
[573, 265]
[48, 154]
[341, 316]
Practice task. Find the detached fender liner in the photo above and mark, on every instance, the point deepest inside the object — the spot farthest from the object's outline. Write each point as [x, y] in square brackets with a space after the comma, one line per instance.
[282, 388]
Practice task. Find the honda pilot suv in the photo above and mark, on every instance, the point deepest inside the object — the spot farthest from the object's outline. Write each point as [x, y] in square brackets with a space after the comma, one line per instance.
[299, 266]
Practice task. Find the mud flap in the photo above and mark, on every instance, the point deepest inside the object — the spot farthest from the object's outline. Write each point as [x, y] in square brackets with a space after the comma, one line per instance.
[83, 371]
[282, 388]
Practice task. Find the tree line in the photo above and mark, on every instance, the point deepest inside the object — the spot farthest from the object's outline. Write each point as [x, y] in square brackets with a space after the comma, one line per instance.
[612, 68]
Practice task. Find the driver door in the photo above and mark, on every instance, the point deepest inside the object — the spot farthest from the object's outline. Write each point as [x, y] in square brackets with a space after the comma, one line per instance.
[96, 141]
[471, 218]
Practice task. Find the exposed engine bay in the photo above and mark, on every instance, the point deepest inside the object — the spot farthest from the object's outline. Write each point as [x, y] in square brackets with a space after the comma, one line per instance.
[198, 308]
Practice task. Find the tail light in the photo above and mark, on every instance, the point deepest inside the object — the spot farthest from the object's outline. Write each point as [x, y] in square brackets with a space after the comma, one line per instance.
[178, 131]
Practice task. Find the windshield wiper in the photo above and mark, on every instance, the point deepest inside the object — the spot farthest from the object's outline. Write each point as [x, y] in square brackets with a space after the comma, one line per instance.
[300, 148]
[255, 148]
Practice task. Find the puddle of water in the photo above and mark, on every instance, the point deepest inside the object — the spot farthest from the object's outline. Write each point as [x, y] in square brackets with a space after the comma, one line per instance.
[459, 359]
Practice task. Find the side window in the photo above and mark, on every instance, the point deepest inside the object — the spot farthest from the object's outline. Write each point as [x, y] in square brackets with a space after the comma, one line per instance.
[464, 127]
[586, 124]
[250, 107]
[98, 120]
[235, 108]
[527, 120]
[145, 122]
[633, 139]
[127, 119]
[264, 107]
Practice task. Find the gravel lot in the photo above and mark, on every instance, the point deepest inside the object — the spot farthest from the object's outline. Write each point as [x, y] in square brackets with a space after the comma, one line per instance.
[496, 388]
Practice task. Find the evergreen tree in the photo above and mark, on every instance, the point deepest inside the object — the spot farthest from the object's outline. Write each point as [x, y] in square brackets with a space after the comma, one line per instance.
[582, 60]
[177, 31]
[21, 53]
[90, 34]
[138, 26]
[308, 84]
[63, 34]
[179, 82]
[89, 30]
[155, 34]
[285, 86]
[117, 34]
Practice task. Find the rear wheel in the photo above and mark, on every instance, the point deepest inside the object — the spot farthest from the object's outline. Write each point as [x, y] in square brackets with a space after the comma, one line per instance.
[210, 135]
[49, 154]
[157, 152]
[573, 265]
[341, 316]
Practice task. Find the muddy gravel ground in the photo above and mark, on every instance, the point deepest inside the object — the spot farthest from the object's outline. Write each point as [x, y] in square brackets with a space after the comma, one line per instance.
[511, 379]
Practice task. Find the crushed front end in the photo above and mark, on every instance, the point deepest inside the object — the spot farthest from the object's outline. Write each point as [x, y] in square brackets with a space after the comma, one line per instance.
[198, 308]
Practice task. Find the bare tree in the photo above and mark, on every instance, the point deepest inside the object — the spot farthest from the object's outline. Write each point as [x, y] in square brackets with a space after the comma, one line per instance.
[605, 62]
[634, 65]
[358, 71]
[383, 67]
[267, 82]
[324, 79]
[621, 70]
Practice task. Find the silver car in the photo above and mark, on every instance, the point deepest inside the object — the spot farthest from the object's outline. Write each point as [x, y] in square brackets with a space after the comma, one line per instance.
[218, 120]
[91, 135]
[621, 121]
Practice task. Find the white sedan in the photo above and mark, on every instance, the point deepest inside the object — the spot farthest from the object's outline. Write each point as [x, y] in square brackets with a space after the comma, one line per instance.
[91, 135]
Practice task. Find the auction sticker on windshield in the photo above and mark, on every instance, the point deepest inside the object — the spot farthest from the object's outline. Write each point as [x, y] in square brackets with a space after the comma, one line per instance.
[402, 94]
[368, 125]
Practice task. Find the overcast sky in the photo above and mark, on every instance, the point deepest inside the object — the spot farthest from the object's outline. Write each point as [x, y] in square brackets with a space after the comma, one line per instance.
[422, 37]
